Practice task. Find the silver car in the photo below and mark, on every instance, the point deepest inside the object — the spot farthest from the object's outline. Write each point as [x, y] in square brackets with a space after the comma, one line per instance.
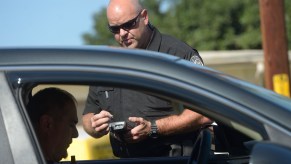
[253, 124]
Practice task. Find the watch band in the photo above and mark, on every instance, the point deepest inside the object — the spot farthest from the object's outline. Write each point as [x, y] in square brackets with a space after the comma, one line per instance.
[154, 130]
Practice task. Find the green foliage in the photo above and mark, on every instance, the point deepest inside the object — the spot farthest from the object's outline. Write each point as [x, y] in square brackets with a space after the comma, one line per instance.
[219, 24]
[153, 7]
[101, 35]
[203, 24]
[288, 21]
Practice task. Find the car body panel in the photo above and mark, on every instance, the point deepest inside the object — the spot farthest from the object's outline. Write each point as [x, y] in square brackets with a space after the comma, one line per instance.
[14, 127]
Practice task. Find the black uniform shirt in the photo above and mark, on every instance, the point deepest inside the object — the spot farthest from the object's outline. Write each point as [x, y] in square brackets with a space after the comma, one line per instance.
[124, 103]
[170, 45]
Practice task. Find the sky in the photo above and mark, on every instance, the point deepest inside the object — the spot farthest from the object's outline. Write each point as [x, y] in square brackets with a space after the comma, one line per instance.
[46, 22]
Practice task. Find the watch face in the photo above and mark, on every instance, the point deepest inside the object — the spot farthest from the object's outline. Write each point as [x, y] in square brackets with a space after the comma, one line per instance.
[154, 134]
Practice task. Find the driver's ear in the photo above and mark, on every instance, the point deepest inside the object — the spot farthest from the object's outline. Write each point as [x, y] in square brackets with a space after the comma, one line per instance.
[46, 123]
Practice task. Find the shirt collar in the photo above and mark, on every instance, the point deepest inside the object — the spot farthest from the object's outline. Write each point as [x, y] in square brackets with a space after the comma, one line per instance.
[155, 41]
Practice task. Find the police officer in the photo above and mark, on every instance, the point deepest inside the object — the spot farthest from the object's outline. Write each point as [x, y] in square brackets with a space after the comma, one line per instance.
[157, 129]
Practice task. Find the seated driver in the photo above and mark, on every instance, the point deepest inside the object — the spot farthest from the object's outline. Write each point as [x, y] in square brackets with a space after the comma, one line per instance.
[54, 116]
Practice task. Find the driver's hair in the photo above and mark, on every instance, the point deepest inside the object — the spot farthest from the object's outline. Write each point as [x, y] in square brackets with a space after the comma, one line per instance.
[50, 101]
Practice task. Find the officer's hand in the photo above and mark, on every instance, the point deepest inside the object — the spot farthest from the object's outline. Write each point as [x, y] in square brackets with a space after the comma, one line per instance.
[139, 132]
[100, 122]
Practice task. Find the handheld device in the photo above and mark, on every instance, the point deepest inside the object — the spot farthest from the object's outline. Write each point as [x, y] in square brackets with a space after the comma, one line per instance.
[120, 126]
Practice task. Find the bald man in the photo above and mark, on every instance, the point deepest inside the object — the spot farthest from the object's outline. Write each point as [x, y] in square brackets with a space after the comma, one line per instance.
[159, 129]
[53, 114]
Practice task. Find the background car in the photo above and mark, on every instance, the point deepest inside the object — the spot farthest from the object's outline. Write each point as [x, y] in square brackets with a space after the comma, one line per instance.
[253, 124]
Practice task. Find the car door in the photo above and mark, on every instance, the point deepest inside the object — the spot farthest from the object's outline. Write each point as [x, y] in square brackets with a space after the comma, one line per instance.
[208, 92]
[22, 82]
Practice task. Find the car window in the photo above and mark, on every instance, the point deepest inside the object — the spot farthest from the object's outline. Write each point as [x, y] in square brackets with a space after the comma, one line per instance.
[232, 117]
[86, 147]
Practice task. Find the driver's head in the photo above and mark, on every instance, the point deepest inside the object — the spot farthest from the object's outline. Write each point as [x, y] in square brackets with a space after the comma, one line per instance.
[54, 116]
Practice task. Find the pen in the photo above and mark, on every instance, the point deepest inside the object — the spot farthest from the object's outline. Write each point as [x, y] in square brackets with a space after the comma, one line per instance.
[106, 94]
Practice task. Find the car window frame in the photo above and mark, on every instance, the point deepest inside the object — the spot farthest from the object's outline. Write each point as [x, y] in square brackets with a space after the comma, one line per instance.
[102, 75]
[21, 77]
[20, 141]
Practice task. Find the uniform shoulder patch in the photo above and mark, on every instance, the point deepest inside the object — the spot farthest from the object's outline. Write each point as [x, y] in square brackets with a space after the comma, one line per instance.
[196, 60]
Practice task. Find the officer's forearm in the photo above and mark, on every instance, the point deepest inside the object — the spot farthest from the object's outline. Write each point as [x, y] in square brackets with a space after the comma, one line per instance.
[187, 121]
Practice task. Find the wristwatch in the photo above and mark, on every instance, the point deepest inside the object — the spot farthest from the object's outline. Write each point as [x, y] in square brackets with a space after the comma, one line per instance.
[154, 130]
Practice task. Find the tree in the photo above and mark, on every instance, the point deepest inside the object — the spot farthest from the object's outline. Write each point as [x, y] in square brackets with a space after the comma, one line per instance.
[203, 24]
[288, 20]
[209, 25]
[101, 35]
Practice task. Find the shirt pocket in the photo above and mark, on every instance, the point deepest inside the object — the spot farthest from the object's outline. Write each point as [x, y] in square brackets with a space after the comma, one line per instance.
[105, 97]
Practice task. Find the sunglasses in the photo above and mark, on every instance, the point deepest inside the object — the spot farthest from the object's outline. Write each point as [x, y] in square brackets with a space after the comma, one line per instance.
[125, 26]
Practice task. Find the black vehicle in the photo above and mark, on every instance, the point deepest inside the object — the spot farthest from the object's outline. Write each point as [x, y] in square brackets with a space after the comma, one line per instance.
[254, 124]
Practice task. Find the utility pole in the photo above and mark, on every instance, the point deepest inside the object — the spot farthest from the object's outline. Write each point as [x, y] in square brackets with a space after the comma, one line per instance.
[277, 74]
